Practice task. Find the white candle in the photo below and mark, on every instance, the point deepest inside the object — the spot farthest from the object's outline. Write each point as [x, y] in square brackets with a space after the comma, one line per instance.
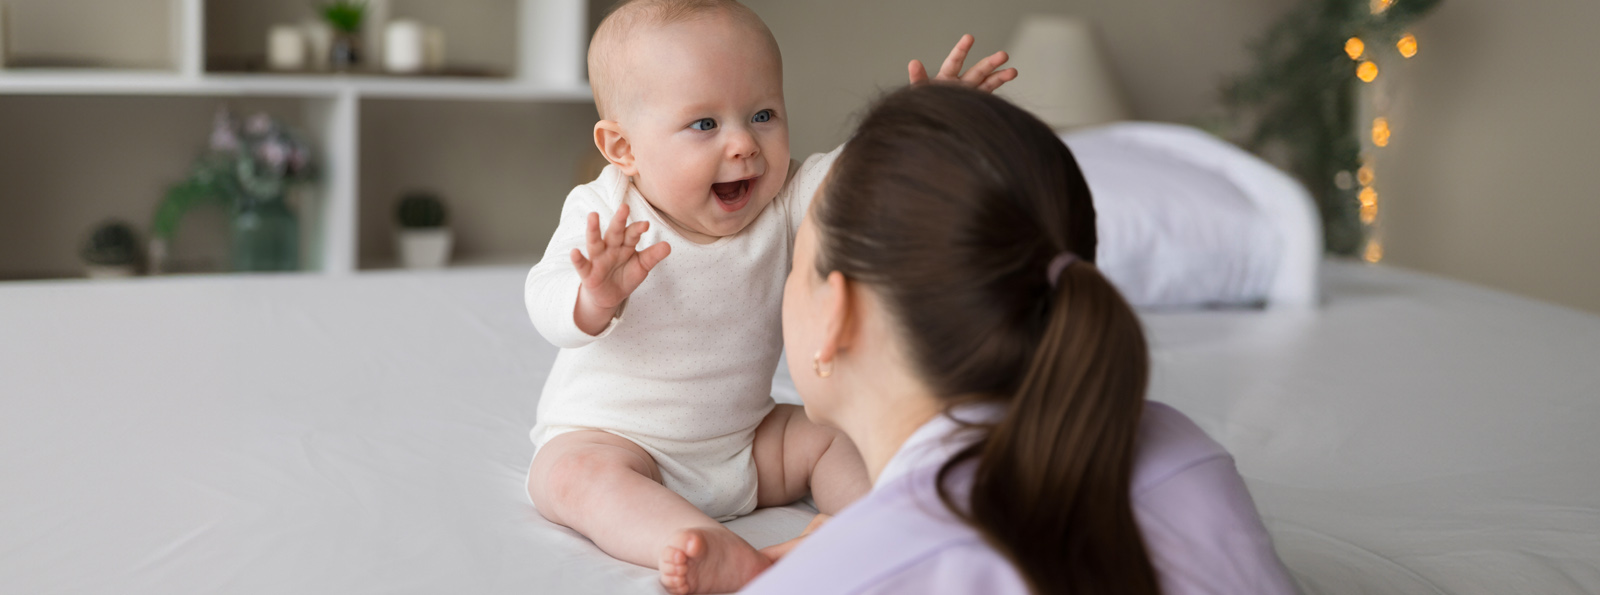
[403, 47]
[286, 48]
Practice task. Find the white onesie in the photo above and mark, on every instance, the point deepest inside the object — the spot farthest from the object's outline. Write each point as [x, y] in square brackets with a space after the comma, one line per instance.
[685, 370]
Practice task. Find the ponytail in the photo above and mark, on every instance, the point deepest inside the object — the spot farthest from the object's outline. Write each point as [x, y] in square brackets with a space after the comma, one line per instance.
[1051, 488]
[954, 206]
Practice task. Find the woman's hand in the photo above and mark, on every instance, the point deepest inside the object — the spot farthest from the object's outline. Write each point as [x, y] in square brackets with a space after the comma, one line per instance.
[982, 76]
[776, 552]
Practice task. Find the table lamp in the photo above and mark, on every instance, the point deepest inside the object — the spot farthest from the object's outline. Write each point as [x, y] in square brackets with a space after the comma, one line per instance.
[1061, 76]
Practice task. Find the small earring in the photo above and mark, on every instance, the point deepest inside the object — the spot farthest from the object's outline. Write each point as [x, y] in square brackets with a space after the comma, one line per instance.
[823, 370]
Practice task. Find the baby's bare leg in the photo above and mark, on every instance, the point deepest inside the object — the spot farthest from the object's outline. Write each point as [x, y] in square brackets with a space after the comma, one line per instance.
[609, 489]
[795, 455]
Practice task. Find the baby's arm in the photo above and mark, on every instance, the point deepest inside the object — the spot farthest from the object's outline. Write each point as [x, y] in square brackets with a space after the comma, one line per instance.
[572, 298]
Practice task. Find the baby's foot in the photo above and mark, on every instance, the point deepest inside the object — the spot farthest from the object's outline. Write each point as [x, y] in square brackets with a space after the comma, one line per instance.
[707, 560]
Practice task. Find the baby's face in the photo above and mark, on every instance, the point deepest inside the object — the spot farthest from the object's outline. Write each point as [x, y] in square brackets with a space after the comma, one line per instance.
[706, 123]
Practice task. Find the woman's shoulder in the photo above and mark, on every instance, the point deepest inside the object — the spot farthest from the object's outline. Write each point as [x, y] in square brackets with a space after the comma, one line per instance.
[1168, 445]
[1197, 518]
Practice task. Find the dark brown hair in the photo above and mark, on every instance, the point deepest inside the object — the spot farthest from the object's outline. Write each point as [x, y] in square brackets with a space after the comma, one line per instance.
[952, 204]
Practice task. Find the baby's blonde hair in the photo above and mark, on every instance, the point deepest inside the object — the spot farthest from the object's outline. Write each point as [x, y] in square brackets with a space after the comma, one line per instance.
[628, 17]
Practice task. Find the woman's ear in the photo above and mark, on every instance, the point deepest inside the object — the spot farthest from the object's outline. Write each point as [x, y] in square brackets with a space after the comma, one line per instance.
[838, 316]
[614, 145]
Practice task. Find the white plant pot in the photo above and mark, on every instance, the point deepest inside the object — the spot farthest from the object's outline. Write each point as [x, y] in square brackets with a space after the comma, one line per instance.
[108, 271]
[424, 248]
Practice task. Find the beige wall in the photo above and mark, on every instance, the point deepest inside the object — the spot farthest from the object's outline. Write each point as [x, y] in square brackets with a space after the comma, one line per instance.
[839, 54]
[1493, 175]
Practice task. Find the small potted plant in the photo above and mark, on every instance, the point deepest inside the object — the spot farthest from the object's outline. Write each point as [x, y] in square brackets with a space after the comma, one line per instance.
[424, 241]
[112, 251]
[345, 17]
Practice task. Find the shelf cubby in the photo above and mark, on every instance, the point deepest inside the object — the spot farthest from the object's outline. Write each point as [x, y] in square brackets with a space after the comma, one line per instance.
[77, 142]
[445, 146]
[68, 163]
[91, 36]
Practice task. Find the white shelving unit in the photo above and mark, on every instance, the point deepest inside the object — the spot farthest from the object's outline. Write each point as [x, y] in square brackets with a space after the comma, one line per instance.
[551, 36]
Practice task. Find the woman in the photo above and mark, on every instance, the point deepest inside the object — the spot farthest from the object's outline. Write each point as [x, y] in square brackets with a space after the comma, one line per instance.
[958, 332]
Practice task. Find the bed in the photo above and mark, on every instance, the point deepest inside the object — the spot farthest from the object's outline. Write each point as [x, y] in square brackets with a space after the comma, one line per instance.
[368, 434]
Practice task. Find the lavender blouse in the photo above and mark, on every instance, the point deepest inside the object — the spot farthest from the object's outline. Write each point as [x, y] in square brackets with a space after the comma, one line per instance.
[1196, 516]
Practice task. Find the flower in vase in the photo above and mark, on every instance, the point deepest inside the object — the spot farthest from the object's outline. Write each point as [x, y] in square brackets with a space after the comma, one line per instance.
[274, 154]
[259, 124]
[224, 136]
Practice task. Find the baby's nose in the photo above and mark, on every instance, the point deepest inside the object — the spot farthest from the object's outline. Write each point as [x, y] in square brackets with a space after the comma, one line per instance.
[743, 146]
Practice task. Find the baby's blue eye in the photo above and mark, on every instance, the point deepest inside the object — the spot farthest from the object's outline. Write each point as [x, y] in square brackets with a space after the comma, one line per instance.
[762, 116]
[704, 124]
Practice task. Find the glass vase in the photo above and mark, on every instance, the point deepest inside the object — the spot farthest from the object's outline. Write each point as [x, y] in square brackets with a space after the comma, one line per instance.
[266, 236]
[344, 54]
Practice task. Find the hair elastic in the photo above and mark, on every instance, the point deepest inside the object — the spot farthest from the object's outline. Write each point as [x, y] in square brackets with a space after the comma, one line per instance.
[1060, 263]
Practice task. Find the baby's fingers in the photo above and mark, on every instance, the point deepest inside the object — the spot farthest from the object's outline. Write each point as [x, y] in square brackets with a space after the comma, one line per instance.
[615, 233]
[634, 232]
[580, 263]
[593, 235]
[919, 73]
[650, 257]
[957, 58]
[997, 79]
[980, 71]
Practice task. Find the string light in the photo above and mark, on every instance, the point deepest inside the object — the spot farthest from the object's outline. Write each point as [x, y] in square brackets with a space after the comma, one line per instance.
[1366, 175]
[1380, 132]
[1367, 71]
[1369, 213]
[1374, 250]
[1354, 47]
[1407, 45]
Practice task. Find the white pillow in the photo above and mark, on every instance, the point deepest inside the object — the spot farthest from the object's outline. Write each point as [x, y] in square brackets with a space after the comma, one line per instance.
[1186, 219]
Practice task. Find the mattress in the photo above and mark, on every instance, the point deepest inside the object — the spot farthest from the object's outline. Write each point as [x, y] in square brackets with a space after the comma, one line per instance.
[368, 434]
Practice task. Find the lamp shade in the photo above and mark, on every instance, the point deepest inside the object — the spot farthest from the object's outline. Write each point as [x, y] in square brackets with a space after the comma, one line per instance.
[1061, 76]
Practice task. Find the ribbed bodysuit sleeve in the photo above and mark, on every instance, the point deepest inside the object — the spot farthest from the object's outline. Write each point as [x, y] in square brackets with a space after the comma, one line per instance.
[551, 291]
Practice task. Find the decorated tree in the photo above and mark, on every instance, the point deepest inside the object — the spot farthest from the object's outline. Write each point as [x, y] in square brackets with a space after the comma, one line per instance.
[1301, 105]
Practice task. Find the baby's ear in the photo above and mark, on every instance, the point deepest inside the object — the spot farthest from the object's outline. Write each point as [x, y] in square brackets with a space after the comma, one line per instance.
[614, 145]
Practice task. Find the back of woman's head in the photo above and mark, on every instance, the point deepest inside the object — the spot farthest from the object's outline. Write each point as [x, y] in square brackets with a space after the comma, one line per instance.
[953, 205]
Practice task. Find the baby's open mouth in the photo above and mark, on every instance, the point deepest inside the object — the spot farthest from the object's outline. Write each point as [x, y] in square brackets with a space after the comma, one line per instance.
[732, 196]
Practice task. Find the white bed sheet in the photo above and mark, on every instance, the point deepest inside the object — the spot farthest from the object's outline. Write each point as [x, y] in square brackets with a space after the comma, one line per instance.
[284, 435]
[369, 434]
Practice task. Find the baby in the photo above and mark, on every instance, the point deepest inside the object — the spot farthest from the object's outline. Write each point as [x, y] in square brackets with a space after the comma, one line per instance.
[657, 421]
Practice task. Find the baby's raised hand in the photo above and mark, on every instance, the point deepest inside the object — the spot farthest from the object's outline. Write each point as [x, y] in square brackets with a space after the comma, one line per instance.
[982, 76]
[613, 268]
